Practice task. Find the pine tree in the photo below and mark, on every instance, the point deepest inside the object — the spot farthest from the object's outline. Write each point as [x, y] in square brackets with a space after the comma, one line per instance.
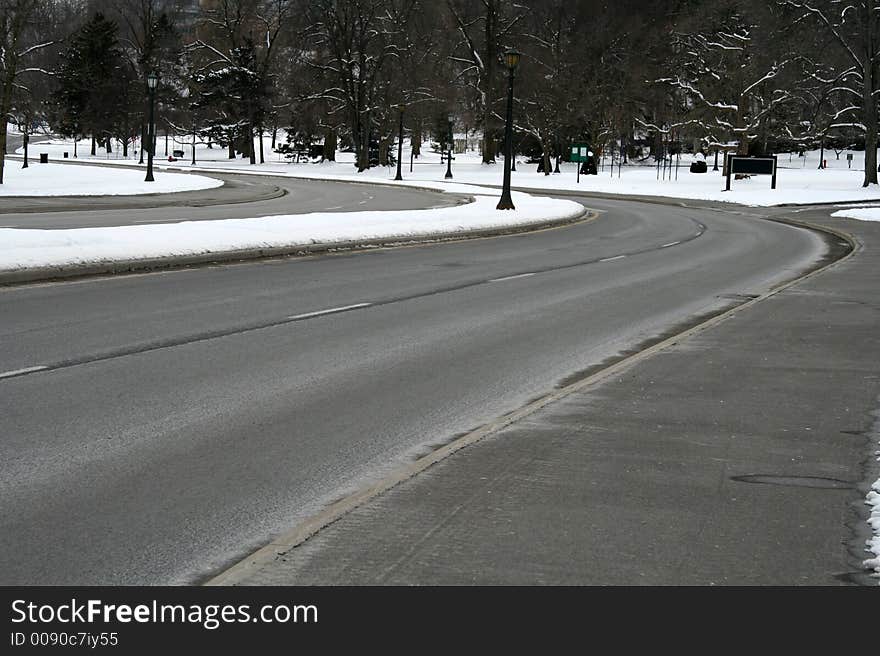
[89, 98]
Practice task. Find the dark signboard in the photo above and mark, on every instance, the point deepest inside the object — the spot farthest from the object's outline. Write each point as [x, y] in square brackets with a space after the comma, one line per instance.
[751, 166]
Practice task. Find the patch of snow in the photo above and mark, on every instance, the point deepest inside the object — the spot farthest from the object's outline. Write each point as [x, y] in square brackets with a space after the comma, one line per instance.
[873, 500]
[60, 180]
[862, 214]
[23, 249]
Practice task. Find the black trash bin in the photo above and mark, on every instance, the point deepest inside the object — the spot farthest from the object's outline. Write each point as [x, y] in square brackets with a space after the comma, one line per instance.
[699, 167]
[44, 158]
[65, 154]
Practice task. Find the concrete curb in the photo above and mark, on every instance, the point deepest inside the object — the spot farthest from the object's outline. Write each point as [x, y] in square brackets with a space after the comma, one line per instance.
[44, 274]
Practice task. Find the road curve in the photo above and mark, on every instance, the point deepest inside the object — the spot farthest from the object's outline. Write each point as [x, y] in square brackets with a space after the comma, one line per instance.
[157, 427]
[241, 197]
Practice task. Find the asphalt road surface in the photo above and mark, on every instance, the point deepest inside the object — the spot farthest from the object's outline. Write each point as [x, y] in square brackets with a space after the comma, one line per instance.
[156, 428]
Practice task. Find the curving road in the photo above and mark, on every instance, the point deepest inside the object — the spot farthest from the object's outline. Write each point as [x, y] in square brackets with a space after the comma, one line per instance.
[157, 427]
[240, 197]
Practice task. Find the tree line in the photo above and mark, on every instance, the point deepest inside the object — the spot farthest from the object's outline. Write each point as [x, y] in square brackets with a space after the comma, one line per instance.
[641, 79]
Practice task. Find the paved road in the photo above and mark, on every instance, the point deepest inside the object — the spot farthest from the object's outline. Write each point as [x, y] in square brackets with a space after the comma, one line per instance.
[241, 196]
[184, 418]
[739, 455]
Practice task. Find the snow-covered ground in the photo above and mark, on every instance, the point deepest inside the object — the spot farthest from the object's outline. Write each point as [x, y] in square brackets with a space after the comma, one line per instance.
[874, 543]
[799, 179]
[23, 249]
[860, 213]
[59, 180]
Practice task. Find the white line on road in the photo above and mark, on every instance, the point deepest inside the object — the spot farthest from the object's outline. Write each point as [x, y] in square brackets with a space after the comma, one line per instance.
[20, 372]
[319, 313]
[672, 243]
[611, 259]
[521, 275]
[337, 207]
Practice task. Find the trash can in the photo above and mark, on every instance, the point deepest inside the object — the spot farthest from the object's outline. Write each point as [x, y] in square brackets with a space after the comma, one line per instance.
[65, 154]
[699, 166]
[44, 158]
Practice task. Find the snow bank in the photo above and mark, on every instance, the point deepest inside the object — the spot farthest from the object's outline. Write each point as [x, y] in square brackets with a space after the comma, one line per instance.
[23, 249]
[67, 180]
[874, 543]
[862, 214]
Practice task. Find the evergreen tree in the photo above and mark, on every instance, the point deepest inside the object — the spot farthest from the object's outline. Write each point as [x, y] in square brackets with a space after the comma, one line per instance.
[90, 96]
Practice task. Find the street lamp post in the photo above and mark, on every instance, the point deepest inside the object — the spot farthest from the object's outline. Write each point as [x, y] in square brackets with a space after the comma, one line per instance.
[450, 118]
[511, 60]
[399, 176]
[152, 83]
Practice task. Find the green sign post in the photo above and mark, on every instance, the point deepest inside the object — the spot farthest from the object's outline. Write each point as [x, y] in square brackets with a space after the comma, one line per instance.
[580, 153]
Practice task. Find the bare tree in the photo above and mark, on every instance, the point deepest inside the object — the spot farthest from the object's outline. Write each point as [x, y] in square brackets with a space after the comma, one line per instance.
[484, 28]
[853, 27]
[20, 40]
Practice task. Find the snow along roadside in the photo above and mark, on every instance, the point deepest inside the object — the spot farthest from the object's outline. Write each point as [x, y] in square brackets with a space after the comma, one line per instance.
[873, 500]
[22, 250]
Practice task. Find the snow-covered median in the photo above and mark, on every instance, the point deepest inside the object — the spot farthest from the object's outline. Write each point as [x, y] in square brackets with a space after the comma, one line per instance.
[60, 180]
[28, 249]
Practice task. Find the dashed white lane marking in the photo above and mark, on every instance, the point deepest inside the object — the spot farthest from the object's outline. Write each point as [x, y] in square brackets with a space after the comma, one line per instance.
[672, 243]
[611, 259]
[19, 372]
[337, 207]
[319, 313]
[520, 275]
[363, 202]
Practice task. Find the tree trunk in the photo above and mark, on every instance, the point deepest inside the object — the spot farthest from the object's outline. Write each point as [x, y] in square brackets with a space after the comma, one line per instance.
[262, 158]
[487, 86]
[252, 155]
[364, 156]
[545, 147]
[231, 144]
[384, 147]
[416, 139]
[94, 146]
[330, 143]
[869, 112]
[25, 141]
[143, 143]
[108, 146]
[274, 136]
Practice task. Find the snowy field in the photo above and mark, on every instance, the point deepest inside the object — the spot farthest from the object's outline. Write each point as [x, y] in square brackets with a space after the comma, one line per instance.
[799, 179]
[59, 180]
[24, 249]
